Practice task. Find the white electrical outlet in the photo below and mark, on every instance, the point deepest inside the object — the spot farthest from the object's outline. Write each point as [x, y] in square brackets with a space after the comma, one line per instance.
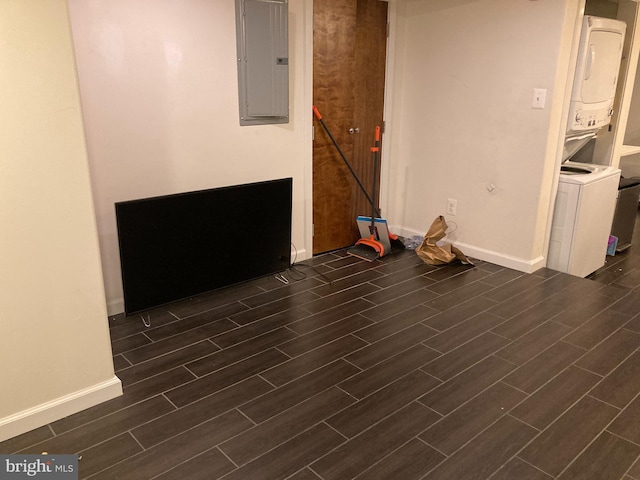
[452, 206]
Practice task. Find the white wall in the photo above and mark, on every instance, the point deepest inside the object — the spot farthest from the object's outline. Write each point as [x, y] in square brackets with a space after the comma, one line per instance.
[55, 355]
[463, 84]
[159, 91]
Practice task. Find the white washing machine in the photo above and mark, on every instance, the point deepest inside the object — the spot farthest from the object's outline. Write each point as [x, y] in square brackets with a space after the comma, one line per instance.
[582, 217]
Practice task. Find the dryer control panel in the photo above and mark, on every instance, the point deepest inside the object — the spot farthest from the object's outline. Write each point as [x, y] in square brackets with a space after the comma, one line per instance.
[582, 117]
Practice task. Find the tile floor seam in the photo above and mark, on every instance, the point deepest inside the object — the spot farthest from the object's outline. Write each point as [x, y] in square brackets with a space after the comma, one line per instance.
[349, 439]
[541, 432]
[615, 367]
[417, 437]
[155, 357]
[533, 439]
[236, 362]
[387, 384]
[273, 447]
[380, 460]
[619, 436]
[290, 407]
[588, 394]
[167, 353]
[522, 460]
[123, 460]
[192, 458]
[577, 456]
[104, 417]
[214, 372]
[602, 377]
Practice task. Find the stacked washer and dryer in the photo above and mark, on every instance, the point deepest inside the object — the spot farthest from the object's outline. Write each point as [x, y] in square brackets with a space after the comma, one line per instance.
[587, 192]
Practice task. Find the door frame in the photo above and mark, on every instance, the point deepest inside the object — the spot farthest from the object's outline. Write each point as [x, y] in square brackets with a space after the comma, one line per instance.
[306, 252]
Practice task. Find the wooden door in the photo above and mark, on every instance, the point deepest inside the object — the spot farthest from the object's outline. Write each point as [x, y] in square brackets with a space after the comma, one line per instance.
[349, 60]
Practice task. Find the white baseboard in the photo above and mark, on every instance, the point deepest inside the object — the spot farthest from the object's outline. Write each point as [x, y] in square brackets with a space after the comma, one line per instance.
[115, 306]
[520, 264]
[298, 255]
[58, 408]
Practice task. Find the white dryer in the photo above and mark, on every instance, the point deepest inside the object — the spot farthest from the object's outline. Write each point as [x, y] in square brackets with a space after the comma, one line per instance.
[582, 219]
[595, 80]
[596, 77]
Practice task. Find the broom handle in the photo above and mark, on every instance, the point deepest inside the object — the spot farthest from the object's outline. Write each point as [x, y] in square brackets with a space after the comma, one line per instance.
[375, 209]
[375, 149]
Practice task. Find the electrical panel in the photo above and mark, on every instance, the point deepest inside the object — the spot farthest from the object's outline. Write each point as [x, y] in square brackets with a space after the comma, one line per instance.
[263, 61]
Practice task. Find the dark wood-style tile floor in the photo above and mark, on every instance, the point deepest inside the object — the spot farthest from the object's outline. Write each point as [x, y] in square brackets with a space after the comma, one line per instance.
[384, 370]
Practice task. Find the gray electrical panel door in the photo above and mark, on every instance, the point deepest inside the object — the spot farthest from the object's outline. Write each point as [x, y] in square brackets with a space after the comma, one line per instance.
[263, 61]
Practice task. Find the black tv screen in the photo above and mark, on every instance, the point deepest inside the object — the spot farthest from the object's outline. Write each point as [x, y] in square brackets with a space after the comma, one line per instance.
[176, 246]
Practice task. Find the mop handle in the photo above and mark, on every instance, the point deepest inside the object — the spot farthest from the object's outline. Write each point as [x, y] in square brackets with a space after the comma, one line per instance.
[316, 112]
[375, 149]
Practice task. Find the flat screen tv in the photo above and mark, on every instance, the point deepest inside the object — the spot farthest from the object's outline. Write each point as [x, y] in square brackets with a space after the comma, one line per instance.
[176, 246]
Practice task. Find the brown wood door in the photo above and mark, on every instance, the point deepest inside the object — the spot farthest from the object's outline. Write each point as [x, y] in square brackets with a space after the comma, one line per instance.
[350, 38]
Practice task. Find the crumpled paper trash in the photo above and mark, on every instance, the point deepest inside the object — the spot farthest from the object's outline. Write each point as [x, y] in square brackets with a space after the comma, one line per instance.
[435, 252]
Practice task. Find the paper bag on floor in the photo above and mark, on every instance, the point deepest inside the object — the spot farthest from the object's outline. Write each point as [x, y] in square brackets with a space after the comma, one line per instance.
[433, 253]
